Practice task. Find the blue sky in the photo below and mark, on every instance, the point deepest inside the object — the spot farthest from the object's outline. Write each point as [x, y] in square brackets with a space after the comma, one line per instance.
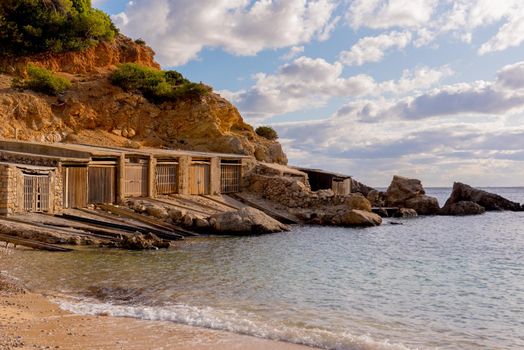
[424, 88]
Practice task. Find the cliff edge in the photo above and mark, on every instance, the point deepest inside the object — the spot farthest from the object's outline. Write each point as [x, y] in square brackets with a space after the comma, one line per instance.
[94, 111]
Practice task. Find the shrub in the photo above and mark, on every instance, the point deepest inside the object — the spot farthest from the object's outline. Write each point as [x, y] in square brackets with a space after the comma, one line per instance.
[42, 80]
[34, 26]
[267, 132]
[157, 85]
[140, 41]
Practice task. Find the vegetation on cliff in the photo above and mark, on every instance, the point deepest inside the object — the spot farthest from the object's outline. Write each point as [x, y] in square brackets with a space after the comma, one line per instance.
[157, 85]
[42, 80]
[36, 26]
[267, 132]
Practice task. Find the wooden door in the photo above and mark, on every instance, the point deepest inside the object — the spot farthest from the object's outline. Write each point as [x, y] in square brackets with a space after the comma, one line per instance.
[200, 178]
[230, 178]
[36, 193]
[136, 180]
[102, 184]
[75, 187]
[166, 178]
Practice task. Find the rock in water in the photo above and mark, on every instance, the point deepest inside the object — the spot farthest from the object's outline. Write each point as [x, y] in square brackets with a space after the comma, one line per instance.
[357, 217]
[462, 208]
[409, 193]
[406, 213]
[423, 205]
[246, 221]
[490, 201]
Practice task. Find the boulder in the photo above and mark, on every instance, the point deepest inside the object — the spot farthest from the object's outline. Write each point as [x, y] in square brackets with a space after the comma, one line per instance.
[462, 208]
[363, 218]
[401, 189]
[176, 215]
[157, 211]
[201, 223]
[245, 221]
[358, 201]
[187, 220]
[409, 193]
[490, 201]
[423, 205]
[406, 213]
[142, 242]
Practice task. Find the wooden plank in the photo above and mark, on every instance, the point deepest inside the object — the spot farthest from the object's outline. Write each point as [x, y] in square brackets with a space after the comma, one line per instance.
[283, 219]
[178, 205]
[154, 222]
[129, 229]
[33, 244]
[216, 200]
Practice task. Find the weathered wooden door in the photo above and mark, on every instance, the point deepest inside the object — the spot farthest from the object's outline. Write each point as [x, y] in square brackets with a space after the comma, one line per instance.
[166, 178]
[102, 184]
[136, 180]
[230, 178]
[36, 193]
[199, 178]
[75, 187]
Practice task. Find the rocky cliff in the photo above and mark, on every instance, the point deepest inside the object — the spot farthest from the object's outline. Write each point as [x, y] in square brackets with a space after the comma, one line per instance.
[94, 111]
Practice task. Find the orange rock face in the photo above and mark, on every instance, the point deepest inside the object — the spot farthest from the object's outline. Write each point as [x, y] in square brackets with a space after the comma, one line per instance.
[94, 111]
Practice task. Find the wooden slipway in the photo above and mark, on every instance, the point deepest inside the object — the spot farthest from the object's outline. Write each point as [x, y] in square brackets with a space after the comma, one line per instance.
[277, 216]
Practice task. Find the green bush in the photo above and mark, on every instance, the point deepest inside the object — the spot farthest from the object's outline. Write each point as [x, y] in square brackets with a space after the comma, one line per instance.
[157, 85]
[42, 80]
[267, 132]
[140, 41]
[34, 26]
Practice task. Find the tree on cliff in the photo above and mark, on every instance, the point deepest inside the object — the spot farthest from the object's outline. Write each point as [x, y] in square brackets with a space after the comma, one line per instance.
[35, 26]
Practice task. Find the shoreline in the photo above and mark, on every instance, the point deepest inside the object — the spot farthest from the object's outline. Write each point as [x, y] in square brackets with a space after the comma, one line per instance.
[29, 320]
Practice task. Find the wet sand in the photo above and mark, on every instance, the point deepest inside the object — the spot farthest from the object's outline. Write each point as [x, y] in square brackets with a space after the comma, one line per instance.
[30, 321]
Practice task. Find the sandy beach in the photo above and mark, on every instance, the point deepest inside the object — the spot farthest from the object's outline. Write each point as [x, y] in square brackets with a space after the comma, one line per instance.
[31, 321]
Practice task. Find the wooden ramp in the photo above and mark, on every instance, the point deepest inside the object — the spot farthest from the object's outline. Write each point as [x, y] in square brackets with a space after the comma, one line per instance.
[33, 244]
[277, 216]
[234, 205]
[148, 220]
[121, 227]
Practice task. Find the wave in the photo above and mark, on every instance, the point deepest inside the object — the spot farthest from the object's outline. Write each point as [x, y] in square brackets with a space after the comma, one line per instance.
[233, 321]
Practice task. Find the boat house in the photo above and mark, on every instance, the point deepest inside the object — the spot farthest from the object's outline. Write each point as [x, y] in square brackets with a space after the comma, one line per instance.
[38, 177]
[324, 180]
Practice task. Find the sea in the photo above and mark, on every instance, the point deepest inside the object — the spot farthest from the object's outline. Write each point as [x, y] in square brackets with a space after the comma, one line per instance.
[429, 283]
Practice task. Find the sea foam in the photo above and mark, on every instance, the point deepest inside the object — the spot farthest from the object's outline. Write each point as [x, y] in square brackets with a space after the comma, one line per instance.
[232, 321]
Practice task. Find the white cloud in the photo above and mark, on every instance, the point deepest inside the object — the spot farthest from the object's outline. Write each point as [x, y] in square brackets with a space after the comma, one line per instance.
[180, 29]
[309, 83]
[512, 76]
[433, 135]
[381, 14]
[372, 48]
[511, 34]
[293, 52]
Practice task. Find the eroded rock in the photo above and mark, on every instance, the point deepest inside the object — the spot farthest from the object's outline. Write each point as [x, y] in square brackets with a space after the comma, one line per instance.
[245, 221]
[409, 193]
[490, 201]
[462, 208]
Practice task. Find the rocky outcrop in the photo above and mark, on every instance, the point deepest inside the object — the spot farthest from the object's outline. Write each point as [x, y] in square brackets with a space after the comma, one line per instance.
[93, 111]
[409, 193]
[490, 201]
[462, 208]
[92, 60]
[359, 187]
[245, 221]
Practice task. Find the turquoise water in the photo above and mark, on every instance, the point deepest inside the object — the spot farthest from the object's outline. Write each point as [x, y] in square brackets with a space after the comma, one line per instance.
[433, 282]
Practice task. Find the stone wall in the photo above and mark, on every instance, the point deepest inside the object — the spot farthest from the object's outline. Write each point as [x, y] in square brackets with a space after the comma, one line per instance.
[12, 190]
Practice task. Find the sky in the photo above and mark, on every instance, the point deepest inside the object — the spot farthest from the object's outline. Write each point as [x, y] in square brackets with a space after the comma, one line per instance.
[372, 88]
